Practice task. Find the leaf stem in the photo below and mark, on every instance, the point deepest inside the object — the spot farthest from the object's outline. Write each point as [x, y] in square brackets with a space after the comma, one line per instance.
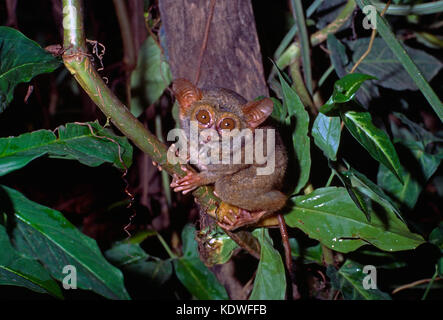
[430, 283]
[297, 11]
[171, 254]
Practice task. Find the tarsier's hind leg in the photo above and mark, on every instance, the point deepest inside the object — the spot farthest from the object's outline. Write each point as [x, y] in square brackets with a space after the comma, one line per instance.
[246, 200]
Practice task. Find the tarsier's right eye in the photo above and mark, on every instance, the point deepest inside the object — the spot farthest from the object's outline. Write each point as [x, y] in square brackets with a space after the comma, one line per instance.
[203, 117]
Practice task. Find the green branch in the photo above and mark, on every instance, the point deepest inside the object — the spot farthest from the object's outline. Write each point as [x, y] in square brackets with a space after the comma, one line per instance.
[77, 61]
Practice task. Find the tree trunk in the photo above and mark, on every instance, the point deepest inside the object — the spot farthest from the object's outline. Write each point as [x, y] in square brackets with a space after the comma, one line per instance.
[232, 58]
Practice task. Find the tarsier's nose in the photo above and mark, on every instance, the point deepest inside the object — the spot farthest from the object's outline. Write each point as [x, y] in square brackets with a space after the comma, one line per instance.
[208, 139]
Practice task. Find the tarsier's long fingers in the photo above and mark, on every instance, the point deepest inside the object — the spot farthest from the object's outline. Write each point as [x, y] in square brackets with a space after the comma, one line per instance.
[186, 184]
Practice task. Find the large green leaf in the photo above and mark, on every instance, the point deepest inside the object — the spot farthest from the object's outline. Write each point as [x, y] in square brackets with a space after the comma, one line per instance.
[326, 133]
[192, 272]
[374, 140]
[18, 270]
[21, 59]
[414, 176]
[133, 259]
[349, 280]
[46, 235]
[382, 63]
[74, 141]
[151, 77]
[270, 280]
[300, 138]
[330, 216]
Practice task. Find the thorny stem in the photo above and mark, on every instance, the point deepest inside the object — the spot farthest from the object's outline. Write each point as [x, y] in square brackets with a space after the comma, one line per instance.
[76, 60]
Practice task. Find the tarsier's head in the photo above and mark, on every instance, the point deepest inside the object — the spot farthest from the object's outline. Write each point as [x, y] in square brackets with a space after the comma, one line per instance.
[219, 109]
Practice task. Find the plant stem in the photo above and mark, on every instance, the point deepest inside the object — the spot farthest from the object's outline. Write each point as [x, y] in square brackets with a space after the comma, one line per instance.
[292, 53]
[76, 60]
[430, 283]
[165, 178]
[297, 11]
[300, 87]
[171, 254]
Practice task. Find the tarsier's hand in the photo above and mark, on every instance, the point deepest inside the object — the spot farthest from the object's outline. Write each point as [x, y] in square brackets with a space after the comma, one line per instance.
[191, 181]
[231, 217]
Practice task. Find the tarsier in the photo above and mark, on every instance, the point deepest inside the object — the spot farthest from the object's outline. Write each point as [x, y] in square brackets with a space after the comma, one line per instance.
[247, 197]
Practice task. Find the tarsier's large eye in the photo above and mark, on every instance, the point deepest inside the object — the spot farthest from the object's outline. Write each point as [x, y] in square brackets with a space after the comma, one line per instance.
[203, 117]
[226, 124]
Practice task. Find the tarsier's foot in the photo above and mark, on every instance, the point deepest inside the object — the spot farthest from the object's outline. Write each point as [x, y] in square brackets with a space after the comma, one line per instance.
[191, 181]
[155, 164]
[231, 217]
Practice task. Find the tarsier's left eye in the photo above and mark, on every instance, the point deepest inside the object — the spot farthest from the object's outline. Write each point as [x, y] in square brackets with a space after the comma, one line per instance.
[203, 117]
[227, 124]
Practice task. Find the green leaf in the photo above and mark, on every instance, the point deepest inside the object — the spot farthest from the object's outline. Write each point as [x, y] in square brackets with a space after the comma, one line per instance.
[436, 238]
[344, 90]
[46, 235]
[310, 255]
[415, 132]
[420, 167]
[21, 59]
[377, 258]
[346, 87]
[74, 142]
[372, 190]
[354, 193]
[382, 63]
[133, 259]
[279, 113]
[339, 58]
[300, 137]
[326, 133]
[330, 216]
[349, 280]
[374, 140]
[192, 272]
[400, 52]
[18, 270]
[151, 77]
[270, 279]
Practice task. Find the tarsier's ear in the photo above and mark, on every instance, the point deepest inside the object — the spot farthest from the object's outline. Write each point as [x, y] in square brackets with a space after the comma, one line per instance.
[185, 93]
[256, 112]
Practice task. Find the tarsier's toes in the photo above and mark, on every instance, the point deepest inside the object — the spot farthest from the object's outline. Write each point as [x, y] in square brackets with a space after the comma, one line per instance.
[231, 217]
[191, 181]
[155, 164]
